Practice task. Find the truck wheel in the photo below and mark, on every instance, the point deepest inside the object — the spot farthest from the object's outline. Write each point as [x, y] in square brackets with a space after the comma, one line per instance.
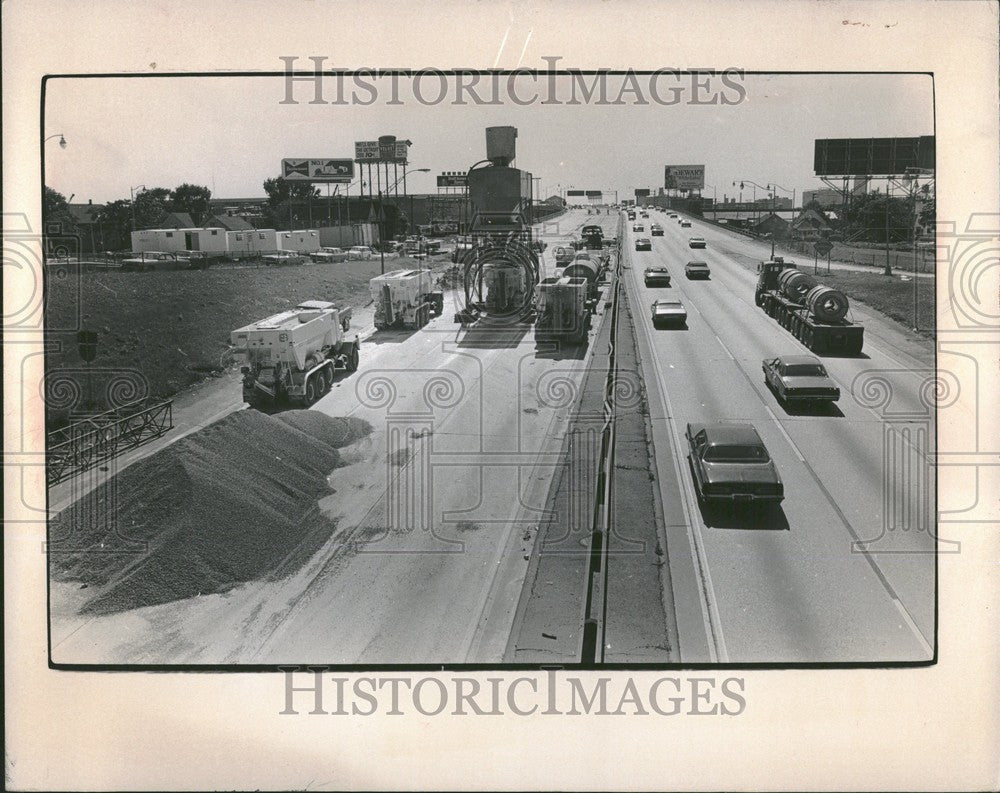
[310, 396]
[324, 380]
[353, 358]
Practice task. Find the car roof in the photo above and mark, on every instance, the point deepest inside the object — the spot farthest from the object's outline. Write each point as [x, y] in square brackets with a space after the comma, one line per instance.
[697, 263]
[666, 302]
[658, 268]
[728, 433]
[787, 359]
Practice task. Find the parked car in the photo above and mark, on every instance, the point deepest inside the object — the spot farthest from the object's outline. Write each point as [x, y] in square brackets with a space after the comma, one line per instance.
[282, 258]
[669, 312]
[643, 244]
[361, 252]
[656, 276]
[730, 464]
[656, 230]
[696, 242]
[329, 255]
[152, 260]
[799, 378]
[697, 270]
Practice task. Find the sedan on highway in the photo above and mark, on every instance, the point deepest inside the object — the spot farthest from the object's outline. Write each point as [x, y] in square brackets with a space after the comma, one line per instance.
[656, 276]
[799, 378]
[656, 230]
[638, 227]
[697, 270]
[668, 312]
[731, 464]
[696, 242]
[643, 244]
[685, 224]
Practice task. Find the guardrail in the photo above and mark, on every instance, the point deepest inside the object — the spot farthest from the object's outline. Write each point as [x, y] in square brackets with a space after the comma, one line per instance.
[595, 608]
[96, 439]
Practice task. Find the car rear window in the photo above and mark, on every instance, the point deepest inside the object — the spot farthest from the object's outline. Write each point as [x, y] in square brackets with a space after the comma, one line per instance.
[737, 454]
[805, 370]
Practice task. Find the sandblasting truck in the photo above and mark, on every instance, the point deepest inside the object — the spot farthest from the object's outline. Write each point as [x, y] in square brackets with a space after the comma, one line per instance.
[406, 298]
[814, 314]
[562, 309]
[292, 356]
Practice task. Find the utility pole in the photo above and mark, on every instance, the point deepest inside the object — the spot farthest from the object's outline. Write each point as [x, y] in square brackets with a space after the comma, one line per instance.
[381, 231]
[887, 270]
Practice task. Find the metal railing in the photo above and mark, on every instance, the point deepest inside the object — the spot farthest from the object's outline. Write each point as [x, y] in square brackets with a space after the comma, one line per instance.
[96, 439]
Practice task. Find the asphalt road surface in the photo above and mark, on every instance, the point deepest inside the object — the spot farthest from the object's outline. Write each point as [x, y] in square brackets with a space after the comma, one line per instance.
[844, 570]
[435, 514]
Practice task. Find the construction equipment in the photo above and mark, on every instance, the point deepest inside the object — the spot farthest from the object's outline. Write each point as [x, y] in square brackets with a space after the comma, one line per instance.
[593, 238]
[590, 270]
[405, 299]
[562, 309]
[814, 314]
[293, 355]
[501, 269]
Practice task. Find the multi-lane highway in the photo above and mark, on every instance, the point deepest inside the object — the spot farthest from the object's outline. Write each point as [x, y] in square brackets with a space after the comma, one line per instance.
[436, 512]
[844, 570]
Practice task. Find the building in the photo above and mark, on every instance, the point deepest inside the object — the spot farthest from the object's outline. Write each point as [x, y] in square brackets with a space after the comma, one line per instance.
[811, 225]
[86, 218]
[825, 197]
[251, 242]
[772, 225]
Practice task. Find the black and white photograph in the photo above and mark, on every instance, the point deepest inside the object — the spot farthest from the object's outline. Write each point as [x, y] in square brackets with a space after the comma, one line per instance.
[563, 381]
[639, 372]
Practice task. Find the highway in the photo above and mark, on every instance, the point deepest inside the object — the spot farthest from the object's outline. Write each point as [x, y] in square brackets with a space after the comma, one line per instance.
[428, 558]
[822, 578]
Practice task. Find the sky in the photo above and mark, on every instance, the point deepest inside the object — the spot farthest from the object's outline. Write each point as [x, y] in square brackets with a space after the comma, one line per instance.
[231, 132]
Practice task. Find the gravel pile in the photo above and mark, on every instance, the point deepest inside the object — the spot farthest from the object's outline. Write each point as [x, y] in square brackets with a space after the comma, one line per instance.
[231, 503]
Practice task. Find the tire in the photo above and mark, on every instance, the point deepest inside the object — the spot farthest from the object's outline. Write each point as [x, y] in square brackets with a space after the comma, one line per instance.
[324, 379]
[309, 398]
[353, 358]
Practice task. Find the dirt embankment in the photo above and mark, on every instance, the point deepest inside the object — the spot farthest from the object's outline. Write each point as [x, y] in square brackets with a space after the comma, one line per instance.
[234, 502]
[172, 328]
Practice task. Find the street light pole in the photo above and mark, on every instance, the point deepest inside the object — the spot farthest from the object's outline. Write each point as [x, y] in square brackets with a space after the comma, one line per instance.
[62, 140]
[131, 193]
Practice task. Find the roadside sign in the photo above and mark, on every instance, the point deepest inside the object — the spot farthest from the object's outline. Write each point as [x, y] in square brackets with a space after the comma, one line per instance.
[317, 170]
[823, 247]
[452, 179]
[369, 151]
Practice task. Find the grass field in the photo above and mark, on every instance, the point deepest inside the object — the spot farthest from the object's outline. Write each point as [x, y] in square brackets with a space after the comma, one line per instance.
[173, 327]
[910, 303]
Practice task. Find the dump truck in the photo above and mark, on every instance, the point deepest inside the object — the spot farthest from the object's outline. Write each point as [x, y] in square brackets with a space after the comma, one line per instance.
[562, 309]
[406, 298]
[815, 314]
[292, 356]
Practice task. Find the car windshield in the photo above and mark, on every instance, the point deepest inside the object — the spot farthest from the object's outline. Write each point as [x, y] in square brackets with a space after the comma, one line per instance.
[665, 304]
[805, 370]
[728, 453]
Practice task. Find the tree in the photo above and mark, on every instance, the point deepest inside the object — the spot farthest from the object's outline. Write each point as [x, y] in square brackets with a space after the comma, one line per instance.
[288, 202]
[813, 204]
[55, 209]
[193, 199]
[877, 217]
[151, 207]
[115, 221]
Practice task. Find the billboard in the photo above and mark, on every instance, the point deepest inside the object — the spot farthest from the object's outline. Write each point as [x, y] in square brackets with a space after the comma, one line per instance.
[641, 192]
[574, 192]
[453, 179]
[872, 156]
[317, 170]
[684, 177]
[593, 193]
[371, 151]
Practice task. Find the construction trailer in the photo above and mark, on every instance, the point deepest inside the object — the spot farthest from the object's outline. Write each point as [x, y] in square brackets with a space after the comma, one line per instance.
[301, 241]
[293, 356]
[406, 298]
[168, 240]
[251, 243]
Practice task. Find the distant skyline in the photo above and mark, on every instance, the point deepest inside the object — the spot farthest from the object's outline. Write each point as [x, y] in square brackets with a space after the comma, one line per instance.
[231, 132]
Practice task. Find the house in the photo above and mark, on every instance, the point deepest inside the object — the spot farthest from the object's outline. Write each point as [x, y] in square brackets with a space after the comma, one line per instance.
[86, 218]
[177, 220]
[228, 222]
[555, 200]
[771, 225]
[811, 225]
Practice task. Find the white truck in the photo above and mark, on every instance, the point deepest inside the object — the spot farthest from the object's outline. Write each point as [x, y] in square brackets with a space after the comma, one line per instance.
[292, 356]
[405, 298]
